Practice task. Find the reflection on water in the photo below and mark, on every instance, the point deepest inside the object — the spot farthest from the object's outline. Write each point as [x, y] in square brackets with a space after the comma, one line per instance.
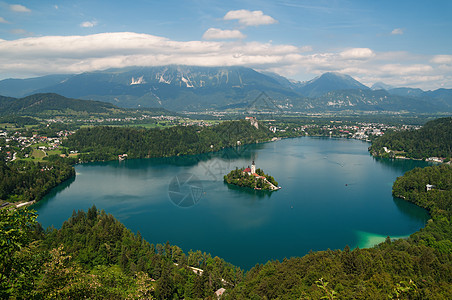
[410, 210]
[252, 192]
[54, 192]
[331, 188]
[402, 165]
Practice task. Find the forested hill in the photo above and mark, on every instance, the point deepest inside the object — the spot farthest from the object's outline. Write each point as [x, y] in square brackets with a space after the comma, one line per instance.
[106, 143]
[413, 187]
[45, 103]
[434, 139]
[23, 180]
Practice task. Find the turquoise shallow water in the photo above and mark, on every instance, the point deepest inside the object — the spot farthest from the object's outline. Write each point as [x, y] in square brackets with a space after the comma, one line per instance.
[333, 194]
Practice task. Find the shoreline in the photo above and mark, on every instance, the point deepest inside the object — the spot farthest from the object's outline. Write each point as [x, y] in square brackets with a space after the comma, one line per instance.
[370, 240]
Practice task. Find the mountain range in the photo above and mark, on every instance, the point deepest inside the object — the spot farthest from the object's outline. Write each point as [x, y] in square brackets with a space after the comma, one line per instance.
[192, 88]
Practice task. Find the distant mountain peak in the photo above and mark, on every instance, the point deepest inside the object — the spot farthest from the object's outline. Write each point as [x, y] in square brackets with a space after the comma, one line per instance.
[330, 81]
[336, 74]
[381, 86]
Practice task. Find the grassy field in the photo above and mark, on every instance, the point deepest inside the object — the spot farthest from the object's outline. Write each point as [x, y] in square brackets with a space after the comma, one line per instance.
[13, 127]
[38, 154]
[52, 152]
[147, 125]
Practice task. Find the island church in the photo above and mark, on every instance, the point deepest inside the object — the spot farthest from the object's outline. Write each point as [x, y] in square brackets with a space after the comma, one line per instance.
[252, 170]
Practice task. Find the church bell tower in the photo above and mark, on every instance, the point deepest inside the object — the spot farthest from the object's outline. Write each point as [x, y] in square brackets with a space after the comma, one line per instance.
[253, 168]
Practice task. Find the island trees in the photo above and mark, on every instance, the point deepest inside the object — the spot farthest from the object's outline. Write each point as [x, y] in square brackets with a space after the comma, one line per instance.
[258, 180]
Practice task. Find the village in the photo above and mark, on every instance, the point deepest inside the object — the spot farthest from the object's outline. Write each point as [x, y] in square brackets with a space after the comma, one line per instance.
[16, 145]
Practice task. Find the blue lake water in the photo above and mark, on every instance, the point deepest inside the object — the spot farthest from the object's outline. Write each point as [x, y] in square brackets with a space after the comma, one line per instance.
[333, 194]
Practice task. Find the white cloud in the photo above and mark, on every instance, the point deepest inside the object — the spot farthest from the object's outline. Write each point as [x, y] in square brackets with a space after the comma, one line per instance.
[19, 8]
[35, 56]
[2, 20]
[88, 24]
[399, 69]
[219, 34]
[442, 59]
[357, 53]
[249, 18]
[307, 49]
[397, 31]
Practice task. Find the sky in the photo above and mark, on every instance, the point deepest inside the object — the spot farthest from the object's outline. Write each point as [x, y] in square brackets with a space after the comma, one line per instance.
[399, 43]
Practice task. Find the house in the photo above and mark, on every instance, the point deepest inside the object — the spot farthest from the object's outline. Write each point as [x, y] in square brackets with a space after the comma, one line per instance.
[429, 187]
[220, 292]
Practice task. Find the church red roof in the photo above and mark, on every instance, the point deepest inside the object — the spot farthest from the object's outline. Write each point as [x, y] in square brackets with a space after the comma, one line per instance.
[247, 170]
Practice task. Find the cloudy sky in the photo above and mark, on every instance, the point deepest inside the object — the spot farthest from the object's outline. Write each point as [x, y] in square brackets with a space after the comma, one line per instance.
[401, 43]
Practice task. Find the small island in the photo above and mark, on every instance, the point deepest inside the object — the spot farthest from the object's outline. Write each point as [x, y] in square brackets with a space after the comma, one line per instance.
[252, 178]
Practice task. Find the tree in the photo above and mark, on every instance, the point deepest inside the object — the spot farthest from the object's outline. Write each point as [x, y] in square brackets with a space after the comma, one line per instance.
[15, 234]
[323, 285]
[164, 288]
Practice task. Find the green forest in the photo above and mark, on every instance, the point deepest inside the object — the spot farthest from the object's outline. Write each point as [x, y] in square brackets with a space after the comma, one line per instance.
[241, 178]
[434, 139]
[106, 143]
[94, 256]
[23, 180]
[44, 103]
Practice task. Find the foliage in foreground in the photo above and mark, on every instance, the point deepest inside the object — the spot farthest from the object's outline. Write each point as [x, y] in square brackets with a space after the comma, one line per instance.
[94, 256]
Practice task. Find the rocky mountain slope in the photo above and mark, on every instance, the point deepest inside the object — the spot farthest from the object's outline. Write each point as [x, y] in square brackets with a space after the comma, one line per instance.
[191, 88]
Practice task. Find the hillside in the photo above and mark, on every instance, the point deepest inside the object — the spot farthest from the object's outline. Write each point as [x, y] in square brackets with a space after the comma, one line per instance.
[328, 82]
[434, 139]
[378, 100]
[20, 88]
[106, 143]
[45, 103]
[94, 256]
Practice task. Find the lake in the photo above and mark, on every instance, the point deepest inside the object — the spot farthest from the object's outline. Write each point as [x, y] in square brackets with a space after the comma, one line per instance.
[333, 194]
